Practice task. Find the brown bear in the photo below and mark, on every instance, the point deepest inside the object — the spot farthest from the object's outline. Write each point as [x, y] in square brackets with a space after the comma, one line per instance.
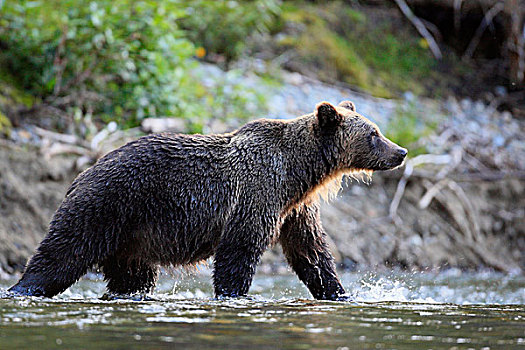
[171, 199]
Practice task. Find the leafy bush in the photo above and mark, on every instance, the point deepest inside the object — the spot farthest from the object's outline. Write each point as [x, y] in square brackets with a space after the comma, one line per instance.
[223, 27]
[130, 53]
[116, 60]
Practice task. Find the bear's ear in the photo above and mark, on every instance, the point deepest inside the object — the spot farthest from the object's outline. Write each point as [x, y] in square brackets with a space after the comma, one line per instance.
[348, 105]
[327, 115]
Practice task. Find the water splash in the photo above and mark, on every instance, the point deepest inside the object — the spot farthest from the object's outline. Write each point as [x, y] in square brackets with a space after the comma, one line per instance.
[449, 287]
[383, 289]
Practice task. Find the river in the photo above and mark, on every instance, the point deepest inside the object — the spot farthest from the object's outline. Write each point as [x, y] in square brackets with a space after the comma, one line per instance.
[396, 310]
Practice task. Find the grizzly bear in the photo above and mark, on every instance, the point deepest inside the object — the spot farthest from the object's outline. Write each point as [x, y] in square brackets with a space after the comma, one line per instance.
[171, 199]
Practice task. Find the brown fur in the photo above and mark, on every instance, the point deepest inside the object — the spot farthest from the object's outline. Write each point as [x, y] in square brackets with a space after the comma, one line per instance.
[174, 200]
[330, 187]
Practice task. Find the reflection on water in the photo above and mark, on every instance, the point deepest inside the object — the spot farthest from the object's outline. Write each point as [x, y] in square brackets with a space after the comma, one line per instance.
[404, 311]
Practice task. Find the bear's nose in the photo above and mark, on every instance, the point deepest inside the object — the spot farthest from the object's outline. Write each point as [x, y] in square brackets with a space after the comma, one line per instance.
[402, 152]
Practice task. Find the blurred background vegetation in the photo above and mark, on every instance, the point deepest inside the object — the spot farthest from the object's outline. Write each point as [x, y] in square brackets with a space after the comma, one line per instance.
[124, 60]
[75, 72]
[82, 63]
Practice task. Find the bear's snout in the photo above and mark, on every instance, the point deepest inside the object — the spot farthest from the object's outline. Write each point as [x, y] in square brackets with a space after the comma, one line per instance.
[399, 156]
[402, 152]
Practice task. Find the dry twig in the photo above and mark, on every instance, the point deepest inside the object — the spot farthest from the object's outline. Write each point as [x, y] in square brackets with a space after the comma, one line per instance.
[425, 201]
[63, 138]
[409, 169]
[434, 47]
[497, 8]
[457, 15]
[62, 148]
[400, 190]
[469, 208]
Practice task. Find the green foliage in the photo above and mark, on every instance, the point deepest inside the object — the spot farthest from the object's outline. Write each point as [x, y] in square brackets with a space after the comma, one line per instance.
[401, 62]
[344, 44]
[319, 47]
[126, 60]
[114, 60]
[129, 53]
[5, 124]
[223, 27]
[11, 98]
[407, 128]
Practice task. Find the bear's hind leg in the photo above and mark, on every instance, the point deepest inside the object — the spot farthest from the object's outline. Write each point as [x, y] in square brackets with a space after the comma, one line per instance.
[70, 248]
[51, 271]
[128, 277]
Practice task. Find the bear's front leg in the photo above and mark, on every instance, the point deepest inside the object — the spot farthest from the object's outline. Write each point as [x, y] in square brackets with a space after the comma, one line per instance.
[304, 245]
[237, 256]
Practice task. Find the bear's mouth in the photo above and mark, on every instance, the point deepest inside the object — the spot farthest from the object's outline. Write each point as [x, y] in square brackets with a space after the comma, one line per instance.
[389, 164]
[395, 163]
[395, 160]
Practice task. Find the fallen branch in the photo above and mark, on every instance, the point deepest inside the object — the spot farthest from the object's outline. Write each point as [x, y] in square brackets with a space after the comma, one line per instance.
[420, 28]
[61, 148]
[409, 169]
[437, 159]
[400, 190]
[456, 157]
[433, 29]
[469, 208]
[462, 240]
[425, 201]
[64, 138]
[497, 8]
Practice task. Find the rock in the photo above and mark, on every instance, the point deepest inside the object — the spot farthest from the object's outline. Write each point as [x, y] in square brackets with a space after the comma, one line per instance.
[293, 79]
[500, 90]
[498, 141]
[156, 125]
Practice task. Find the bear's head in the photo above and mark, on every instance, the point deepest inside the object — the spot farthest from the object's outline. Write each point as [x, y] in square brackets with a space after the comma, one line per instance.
[354, 141]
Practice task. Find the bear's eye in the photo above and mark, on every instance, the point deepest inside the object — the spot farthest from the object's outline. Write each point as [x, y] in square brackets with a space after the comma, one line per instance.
[374, 133]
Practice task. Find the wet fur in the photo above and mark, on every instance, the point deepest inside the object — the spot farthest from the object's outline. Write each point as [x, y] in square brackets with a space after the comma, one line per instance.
[330, 187]
[172, 200]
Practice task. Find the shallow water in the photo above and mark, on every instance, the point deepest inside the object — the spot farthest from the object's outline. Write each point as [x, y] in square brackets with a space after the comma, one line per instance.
[396, 311]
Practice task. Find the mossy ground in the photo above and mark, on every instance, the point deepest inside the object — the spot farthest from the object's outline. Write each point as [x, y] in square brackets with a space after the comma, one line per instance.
[11, 97]
[365, 47]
